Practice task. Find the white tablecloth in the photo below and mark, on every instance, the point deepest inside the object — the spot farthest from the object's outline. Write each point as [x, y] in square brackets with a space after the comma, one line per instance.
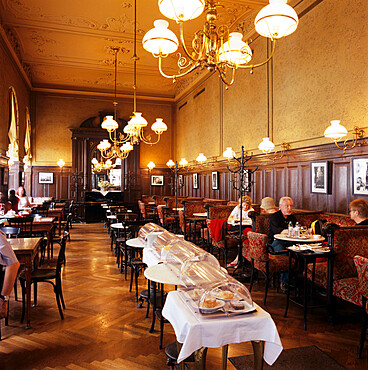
[195, 331]
[149, 257]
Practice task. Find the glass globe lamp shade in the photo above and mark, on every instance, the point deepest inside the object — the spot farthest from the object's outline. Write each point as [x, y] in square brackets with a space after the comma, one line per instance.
[126, 147]
[170, 163]
[181, 10]
[108, 163]
[276, 20]
[60, 163]
[128, 129]
[109, 124]
[335, 131]
[235, 50]
[151, 165]
[183, 162]
[118, 162]
[103, 145]
[94, 161]
[137, 120]
[266, 145]
[228, 153]
[201, 158]
[159, 126]
[160, 40]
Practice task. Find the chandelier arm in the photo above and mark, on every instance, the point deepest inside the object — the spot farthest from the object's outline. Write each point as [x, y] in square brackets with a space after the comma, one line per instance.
[223, 76]
[146, 141]
[174, 76]
[347, 145]
[183, 43]
[263, 63]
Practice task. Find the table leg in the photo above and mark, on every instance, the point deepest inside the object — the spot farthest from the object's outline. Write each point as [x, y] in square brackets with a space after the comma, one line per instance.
[258, 354]
[224, 356]
[330, 305]
[49, 236]
[288, 286]
[28, 269]
[59, 217]
[305, 295]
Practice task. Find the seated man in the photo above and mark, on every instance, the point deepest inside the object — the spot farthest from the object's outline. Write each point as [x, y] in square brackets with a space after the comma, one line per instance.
[359, 211]
[8, 259]
[279, 222]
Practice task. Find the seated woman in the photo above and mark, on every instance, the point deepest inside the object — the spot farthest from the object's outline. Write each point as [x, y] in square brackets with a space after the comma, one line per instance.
[13, 200]
[4, 204]
[246, 220]
[268, 205]
[22, 197]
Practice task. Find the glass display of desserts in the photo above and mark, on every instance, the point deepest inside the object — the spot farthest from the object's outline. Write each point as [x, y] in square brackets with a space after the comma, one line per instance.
[148, 229]
[229, 297]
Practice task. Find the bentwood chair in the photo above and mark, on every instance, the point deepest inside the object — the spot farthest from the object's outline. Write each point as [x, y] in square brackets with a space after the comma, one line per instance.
[361, 264]
[261, 260]
[25, 225]
[47, 275]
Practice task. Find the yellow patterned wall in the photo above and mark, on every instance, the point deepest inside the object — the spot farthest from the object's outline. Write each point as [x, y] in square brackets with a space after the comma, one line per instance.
[319, 73]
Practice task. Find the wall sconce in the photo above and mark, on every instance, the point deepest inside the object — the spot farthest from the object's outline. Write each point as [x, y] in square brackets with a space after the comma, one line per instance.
[60, 163]
[267, 146]
[151, 166]
[336, 132]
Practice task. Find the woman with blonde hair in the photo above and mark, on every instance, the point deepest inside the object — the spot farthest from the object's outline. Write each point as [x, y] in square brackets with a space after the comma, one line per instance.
[234, 220]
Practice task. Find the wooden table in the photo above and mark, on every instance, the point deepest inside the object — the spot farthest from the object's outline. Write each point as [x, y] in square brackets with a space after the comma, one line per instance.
[59, 213]
[26, 250]
[45, 224]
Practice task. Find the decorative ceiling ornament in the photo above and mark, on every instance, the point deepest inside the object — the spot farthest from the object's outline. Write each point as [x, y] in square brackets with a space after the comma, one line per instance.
[215, 47]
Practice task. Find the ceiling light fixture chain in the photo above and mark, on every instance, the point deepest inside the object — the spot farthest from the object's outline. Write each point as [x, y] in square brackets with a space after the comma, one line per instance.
[215, 47]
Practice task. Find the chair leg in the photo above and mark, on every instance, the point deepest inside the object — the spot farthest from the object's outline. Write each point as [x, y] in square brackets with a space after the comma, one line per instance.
[267, 283]
[161, 330]
[15, 290]
[22, 283]
[251, 276]
[35, 293]
[131, 278]
[58, 282]
[57, 294]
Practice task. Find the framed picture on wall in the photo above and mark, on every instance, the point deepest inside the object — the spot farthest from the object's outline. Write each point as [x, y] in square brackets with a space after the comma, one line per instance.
[157, 180]
[45, 178]
[320, 174]
[195, 180]
[360, 176]
[214, 178]
[180, 181]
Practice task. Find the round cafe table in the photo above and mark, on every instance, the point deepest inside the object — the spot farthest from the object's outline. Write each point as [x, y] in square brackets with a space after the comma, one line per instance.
[135, 243]
[312, 239]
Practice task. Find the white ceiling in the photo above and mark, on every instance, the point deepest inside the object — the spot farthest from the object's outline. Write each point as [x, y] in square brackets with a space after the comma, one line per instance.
[68, 44]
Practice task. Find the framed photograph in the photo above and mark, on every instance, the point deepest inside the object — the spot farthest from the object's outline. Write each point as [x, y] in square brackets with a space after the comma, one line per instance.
[180, 181]
[45, 178]
[320, 177]
[195, 180]
[214, 178]
[360, 176]
[157, 180]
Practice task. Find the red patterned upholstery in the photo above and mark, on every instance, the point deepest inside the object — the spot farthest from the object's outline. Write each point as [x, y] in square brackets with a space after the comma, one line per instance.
[159, 200]
[147, 199]
[342, 220]
[221, 212]
[263, 261]
[361, 264]
[190, 207]
[306, 218]
[215, 202]
[348, 290]
[165, 219]
[170, 202]
[145, 213]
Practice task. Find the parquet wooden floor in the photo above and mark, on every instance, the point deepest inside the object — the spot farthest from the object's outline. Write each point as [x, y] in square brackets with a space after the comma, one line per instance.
[104, 329]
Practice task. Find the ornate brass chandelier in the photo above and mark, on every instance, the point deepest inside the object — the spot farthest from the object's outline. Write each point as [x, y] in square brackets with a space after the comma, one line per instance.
[215, 47]
[122, 143]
